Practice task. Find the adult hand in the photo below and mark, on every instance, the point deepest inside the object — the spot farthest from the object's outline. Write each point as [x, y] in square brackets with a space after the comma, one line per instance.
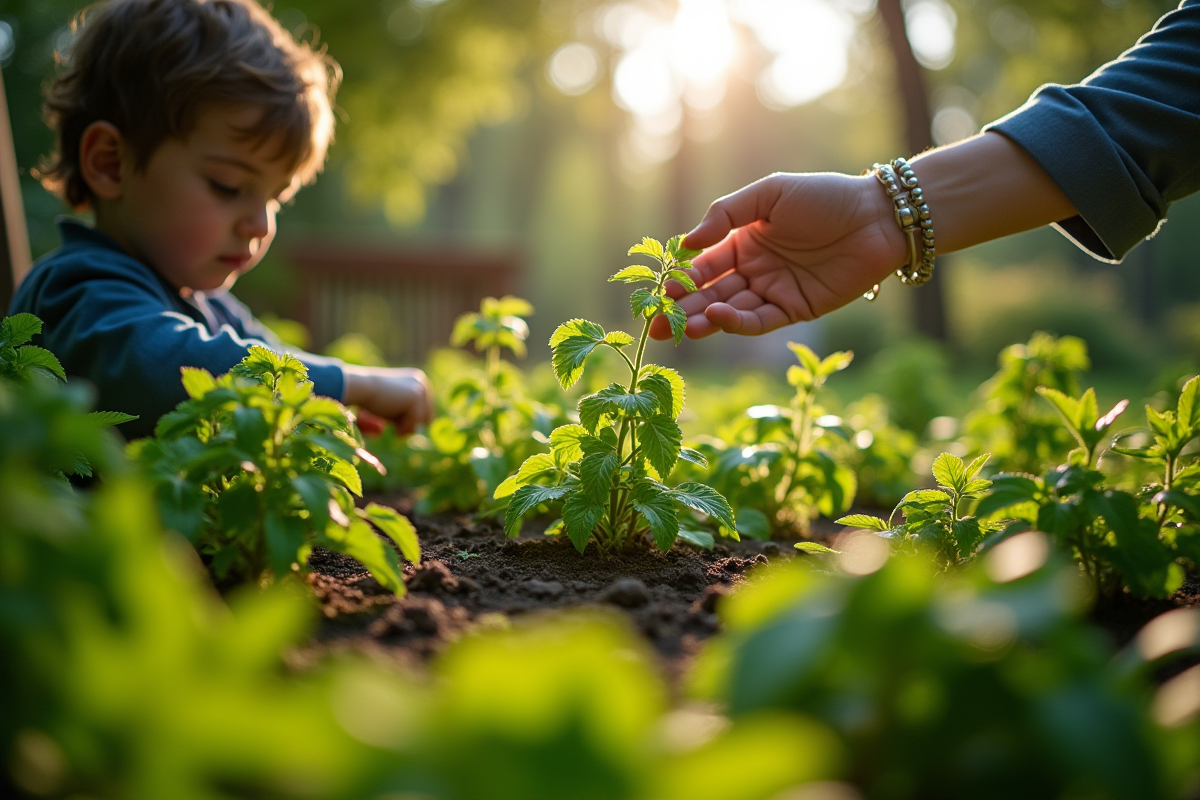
[787, 248]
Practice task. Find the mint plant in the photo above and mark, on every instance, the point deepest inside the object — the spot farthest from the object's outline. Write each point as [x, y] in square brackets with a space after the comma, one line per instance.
[610, 470]
[779, 470]
[936, 519]
[488, 425]
[1012, 423]
[1138, 541]
[255, 471]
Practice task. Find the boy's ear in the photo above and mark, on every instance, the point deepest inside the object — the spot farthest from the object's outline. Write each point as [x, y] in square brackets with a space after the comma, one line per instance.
[100, 151]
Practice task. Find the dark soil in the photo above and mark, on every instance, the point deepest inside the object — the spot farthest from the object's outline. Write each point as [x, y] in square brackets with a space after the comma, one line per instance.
[471, 575]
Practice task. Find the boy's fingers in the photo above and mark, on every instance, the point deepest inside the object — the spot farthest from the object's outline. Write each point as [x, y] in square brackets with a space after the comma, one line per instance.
[370, 424]
[698, 327]
[660, 329]
[719, 292]
[744, 206]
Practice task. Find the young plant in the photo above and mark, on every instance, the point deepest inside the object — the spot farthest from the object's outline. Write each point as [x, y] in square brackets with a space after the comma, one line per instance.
[780, 470]
[936, 518]
[610, 471]
[1137, 541]
[488, 425]
[256, 471]
[1012, 423]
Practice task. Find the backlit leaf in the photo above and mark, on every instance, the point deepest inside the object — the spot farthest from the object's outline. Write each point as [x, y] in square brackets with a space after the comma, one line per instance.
[677, 385]
[596, 472]
[655, 505]
[706, 500]
[526, 499]
[649, 247]
[684, 279]
[644, 303]
[397, 528]
[659, 438]
[197, 382]
[572, 343]
[676, 316]
[864, 521]
[634, 274]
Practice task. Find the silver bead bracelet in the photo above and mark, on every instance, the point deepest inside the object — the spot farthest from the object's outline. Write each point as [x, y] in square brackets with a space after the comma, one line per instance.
[912, 215]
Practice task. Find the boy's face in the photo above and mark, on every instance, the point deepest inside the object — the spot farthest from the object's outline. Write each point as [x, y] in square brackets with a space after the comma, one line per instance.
[202, 210]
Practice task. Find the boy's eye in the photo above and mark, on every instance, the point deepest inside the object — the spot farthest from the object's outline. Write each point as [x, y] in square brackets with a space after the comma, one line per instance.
[222, 189]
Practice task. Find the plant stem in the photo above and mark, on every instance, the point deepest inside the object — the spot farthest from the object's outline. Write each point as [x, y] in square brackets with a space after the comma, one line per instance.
[619, 498]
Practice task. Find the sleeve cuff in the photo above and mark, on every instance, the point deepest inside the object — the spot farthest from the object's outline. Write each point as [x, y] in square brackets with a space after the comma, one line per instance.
[1064, 138]
[326, 374]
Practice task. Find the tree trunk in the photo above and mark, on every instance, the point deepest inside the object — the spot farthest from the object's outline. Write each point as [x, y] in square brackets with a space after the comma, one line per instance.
[14, 238]
[930, 306]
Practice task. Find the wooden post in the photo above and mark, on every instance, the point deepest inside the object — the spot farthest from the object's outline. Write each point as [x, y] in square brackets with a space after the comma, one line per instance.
[14, 237]
[928, 299]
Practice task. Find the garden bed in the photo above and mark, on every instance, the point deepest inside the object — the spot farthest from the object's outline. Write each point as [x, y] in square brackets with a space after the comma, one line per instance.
[471, 576]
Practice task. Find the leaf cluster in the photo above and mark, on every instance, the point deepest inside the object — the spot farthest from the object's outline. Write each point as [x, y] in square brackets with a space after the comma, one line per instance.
[1139, 541]
[487, 424]
[934, 519]
[1010, 422]
[255, 470]
[919, 673]
[609, 472]
[780, 469]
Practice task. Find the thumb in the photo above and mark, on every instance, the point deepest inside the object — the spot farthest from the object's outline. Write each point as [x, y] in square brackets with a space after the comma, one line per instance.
[746, 205]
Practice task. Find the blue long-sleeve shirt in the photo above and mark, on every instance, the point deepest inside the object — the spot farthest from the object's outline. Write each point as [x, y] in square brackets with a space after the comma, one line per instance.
[1125, 143]
[113, 320]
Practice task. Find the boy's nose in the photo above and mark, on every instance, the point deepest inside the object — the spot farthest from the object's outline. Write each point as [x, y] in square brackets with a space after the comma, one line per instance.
[258, 225]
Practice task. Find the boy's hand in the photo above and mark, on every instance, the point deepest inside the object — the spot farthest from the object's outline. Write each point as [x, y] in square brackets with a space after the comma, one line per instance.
[399, 395]
[787, 248]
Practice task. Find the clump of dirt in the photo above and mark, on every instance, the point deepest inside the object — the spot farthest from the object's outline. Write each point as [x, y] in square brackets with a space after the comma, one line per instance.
[471, 576]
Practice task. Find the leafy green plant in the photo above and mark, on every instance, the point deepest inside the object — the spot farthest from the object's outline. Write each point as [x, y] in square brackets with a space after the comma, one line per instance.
[255, 471]
[935, 519]
[23, 363]
[879, 452]
[1140, 540]
[1011, 423]
[985, 682]
[609, 471]
[488, 424]
[779, 470]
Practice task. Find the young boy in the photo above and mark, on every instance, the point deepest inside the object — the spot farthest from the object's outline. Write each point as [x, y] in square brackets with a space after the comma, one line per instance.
[183, 124]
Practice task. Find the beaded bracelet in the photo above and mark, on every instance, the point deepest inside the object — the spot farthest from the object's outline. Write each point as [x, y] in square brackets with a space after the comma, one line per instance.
[912, 215]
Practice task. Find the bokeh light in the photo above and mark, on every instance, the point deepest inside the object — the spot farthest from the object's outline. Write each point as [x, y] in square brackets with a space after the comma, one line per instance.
[931, 28]
[574, 68]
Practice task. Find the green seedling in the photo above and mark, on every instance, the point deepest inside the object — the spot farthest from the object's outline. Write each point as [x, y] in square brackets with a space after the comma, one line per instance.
[256, 471]
[780, 470]
[609, 472]
[488, 425]
[935, 519]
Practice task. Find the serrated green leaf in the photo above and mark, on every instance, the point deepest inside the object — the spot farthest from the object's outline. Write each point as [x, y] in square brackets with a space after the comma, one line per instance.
[566, 443]
[835, 362]
[197, 382]
[466, 328]
[676, 250]
[660, 388]
[864, 521]
[659, 438]
[580, 516]
[644, 303]
[19, 329]
[1087, 412]
[526, 499]
[676, 316]
[634, 274]
[1067, 408]
[618, 339]
[706, 500]
[31, 357]
[572, 343]
[359, 542]
[592, 409]
[396, 527]
[816, 549]
[693, 457]
[684, 279]
[678, 394]
[1188, 408]
[976, 465]
[538, 467]
[648, 247]
[949, 471]
[106, 419]
[656, 506]
[345, 472]
[923, 498]
[596, 471]
[808, 359]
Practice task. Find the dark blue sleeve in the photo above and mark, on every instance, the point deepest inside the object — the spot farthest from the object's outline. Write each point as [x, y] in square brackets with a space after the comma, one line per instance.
[111, 325]
[1125, 143]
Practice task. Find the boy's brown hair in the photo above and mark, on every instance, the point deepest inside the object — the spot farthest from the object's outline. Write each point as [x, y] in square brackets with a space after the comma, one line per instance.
[150, 67]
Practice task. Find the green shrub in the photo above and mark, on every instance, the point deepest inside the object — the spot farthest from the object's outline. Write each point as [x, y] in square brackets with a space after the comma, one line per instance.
[255, 471]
